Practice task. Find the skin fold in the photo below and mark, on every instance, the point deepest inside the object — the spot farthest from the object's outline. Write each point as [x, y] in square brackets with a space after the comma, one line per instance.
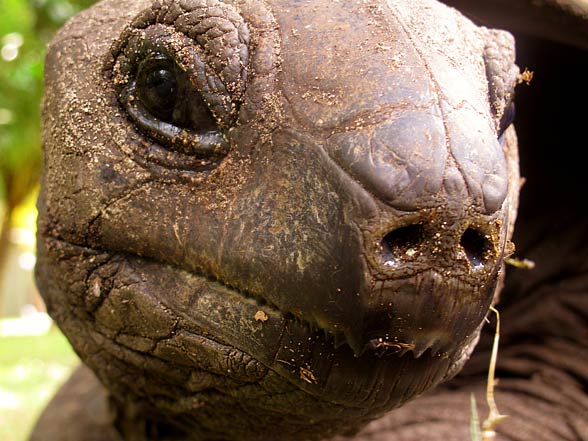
[269, 220]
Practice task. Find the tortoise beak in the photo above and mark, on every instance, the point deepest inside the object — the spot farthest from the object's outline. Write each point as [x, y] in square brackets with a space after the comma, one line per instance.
[427, 311]
[428, 284]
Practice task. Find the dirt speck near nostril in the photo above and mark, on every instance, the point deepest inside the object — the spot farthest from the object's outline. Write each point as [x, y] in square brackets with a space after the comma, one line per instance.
[261, 316]
[307, 375]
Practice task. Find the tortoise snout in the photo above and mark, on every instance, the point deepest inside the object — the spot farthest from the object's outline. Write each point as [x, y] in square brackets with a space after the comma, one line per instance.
[419, 243]
[415, 161]
[432, 279]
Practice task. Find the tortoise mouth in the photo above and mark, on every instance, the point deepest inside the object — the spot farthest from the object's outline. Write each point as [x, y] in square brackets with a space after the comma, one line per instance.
[148, 313]
[424, 312]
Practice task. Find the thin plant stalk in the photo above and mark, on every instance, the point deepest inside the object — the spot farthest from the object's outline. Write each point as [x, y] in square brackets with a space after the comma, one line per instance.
[494, 416]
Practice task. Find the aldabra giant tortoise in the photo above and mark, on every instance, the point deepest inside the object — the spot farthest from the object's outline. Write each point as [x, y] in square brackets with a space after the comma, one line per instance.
[281, 219]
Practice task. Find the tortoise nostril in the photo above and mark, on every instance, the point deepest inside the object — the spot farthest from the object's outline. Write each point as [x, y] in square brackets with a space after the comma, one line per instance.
[476, 247]
[401, 244]
[427, 245]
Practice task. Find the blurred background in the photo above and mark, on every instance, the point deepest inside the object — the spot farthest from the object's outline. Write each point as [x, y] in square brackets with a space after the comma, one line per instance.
[34, 357]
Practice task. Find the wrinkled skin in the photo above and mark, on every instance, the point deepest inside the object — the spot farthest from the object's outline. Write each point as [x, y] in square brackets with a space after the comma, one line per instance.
[318, 246]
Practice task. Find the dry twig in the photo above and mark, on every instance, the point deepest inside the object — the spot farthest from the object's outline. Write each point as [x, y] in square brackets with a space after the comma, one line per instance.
[494, 417]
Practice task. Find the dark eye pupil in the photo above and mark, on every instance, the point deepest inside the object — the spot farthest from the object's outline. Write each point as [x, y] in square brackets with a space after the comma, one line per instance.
[158, 92]
[164, 98]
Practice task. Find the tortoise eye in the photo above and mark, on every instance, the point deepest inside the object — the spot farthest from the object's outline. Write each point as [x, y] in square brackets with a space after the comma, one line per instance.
[157, 88]
[180, 84]
[165, 103]
[166, 93]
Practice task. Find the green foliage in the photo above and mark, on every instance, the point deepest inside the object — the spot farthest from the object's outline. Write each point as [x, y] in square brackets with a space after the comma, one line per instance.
[26, 26]
[31, 370]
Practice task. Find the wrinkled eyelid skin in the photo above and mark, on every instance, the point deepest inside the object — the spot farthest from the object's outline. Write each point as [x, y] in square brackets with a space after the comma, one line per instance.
[208, 42]
[220, 34]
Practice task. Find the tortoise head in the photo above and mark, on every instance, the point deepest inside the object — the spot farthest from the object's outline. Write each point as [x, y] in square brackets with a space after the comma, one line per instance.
[287, 216]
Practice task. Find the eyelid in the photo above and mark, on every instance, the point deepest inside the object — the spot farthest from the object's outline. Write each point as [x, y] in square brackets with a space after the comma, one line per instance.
[211, 49]
[160, 44]
[207, 144]
[191, 156]
[219, 74]
[149, 47]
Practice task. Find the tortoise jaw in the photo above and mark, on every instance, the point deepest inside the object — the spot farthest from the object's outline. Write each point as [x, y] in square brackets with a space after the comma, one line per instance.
[202, 316]
[424, 312]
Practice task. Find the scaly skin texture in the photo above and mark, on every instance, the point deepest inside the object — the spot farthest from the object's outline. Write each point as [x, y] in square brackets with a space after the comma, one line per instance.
[324, 252]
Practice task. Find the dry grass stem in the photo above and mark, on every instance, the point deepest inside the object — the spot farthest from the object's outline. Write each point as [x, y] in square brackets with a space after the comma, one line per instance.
[520, 263]
[494, 416]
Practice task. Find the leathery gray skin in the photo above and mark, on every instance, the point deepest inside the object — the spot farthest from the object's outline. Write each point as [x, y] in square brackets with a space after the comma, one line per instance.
[318, 250]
